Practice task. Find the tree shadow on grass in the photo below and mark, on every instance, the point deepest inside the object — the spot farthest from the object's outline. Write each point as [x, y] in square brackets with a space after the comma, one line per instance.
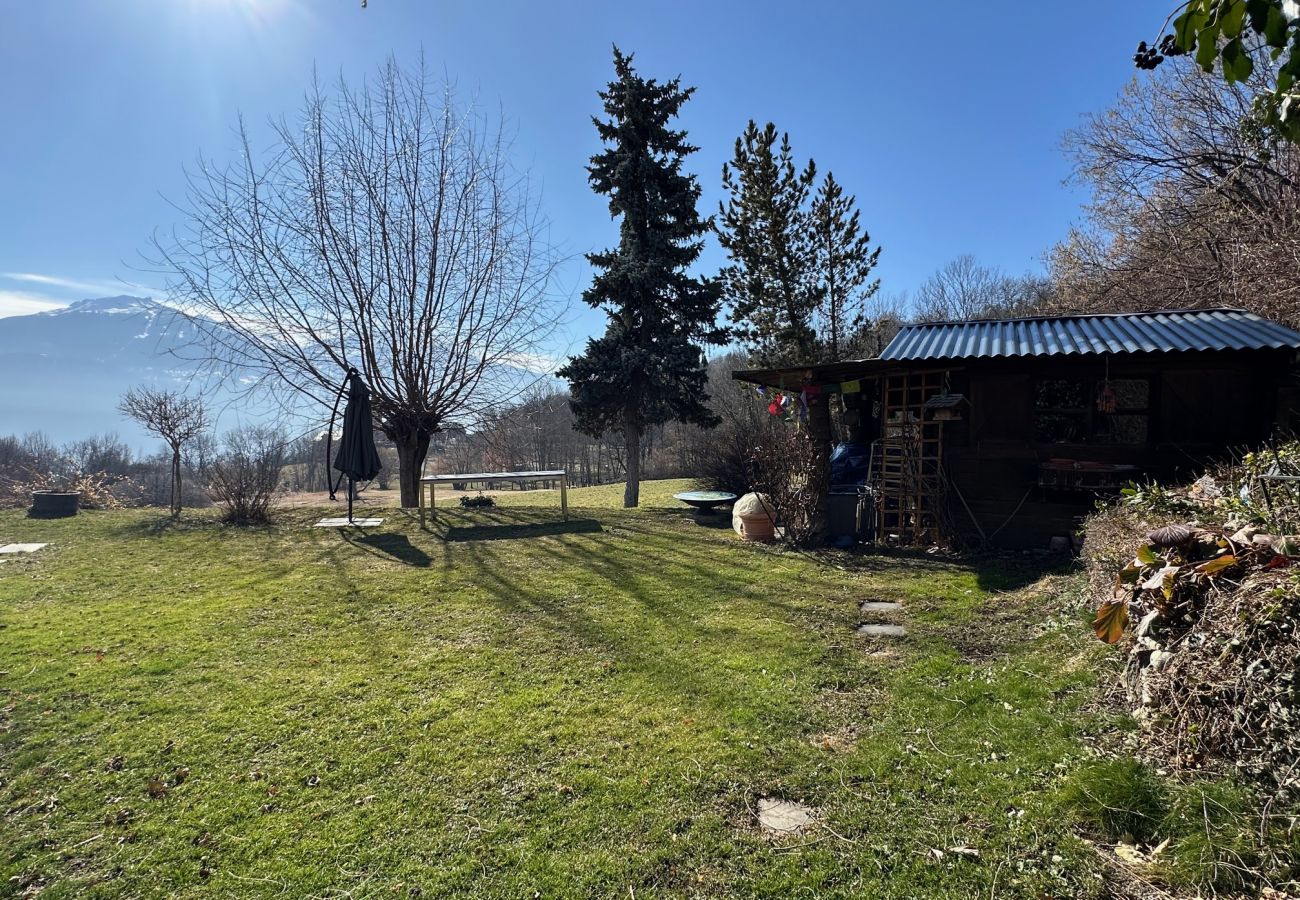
[495, 524]
[163, 523]
[1005, 572]
[996, 571]
[512, 531]
[390, 546]
[668, 610]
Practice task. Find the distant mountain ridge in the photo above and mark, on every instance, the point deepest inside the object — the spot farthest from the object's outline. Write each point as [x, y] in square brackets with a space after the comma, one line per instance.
[63, 371]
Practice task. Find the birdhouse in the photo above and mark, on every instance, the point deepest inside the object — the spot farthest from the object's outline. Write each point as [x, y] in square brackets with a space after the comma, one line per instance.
[945, 407]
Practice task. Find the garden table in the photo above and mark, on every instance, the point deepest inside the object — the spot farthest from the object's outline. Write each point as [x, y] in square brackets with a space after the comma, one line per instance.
[432, 481]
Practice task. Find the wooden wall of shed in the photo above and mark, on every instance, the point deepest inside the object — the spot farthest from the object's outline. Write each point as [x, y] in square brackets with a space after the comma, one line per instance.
[1202, 407]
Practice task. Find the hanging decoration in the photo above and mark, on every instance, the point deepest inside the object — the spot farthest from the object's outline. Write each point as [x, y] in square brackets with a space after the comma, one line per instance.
[780, 404]
[792, 402]
[1106, 402]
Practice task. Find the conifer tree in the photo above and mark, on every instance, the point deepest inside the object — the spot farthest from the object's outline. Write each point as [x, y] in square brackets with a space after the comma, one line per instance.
[842, 260]
[763, 226]
[648, 367]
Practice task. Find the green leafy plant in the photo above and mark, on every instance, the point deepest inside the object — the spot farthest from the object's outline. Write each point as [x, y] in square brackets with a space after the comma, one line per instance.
[1225, 33]
[1167, 579]
[477, 502]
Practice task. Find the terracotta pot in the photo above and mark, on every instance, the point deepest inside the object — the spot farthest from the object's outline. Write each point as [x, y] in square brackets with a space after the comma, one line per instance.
[752, 518]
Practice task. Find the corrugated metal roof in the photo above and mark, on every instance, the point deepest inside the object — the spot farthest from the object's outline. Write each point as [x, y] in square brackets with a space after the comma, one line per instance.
[1157, 332]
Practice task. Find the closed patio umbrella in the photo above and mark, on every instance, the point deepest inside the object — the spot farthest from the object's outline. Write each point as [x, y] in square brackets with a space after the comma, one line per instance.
[357, 457]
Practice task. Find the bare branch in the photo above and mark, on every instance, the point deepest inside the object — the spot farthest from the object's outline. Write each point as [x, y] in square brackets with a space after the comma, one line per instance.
[385, 229]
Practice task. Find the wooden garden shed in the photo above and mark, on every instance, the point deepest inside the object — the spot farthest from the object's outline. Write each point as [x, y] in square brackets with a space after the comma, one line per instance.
[1004, 432]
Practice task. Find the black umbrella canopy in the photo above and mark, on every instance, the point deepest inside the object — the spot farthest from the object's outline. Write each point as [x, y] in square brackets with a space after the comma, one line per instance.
[357, 456]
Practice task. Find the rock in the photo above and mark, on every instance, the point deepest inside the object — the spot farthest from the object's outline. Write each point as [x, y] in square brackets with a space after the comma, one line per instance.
[1129, 853]
[21, 548]
[1144, 626]
[874, 630]
[784, 817]
[1244, 534]
[1159, 659]
[880, 606]
[1206, 488]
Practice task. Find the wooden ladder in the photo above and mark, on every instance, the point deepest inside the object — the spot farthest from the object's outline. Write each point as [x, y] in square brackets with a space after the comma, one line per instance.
[907, 462]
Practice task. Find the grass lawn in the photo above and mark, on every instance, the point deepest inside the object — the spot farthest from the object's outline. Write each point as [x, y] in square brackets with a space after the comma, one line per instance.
[504, 706]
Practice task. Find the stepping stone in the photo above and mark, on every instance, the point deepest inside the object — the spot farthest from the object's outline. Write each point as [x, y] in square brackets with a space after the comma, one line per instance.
[342, 522]
[889, 631]
[21, 548]
[784, 816]
[880, 606]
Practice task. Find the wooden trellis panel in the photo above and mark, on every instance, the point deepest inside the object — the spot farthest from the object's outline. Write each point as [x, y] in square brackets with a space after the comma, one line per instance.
[907, 476]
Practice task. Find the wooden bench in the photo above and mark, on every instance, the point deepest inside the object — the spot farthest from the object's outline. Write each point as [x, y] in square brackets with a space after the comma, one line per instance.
[432, 481]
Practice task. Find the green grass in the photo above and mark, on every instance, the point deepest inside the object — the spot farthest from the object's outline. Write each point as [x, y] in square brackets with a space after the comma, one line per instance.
[503, 705]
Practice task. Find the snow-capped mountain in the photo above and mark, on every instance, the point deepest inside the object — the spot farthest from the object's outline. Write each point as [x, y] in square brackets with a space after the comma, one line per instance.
[63, 371]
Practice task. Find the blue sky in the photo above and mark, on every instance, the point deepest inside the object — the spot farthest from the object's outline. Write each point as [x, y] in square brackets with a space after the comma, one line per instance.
[947, 127]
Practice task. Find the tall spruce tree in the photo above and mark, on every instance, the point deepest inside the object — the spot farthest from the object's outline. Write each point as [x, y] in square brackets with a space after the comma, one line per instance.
[649, 367]
[763, 226]
[842, 260]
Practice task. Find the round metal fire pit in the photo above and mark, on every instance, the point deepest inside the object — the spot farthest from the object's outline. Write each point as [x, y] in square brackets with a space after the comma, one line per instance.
[55, 504]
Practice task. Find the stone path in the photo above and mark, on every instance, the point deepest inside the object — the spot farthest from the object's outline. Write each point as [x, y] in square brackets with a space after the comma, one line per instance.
[874, 629]
[879, 606]
[874, 609]
[784, 817]
[21, 548]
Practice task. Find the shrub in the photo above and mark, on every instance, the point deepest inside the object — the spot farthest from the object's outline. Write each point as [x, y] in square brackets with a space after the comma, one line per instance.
[477, 502]
[784, 465]
[245, 477]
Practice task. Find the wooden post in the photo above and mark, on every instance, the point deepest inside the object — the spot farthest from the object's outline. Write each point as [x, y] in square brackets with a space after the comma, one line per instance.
[819, 429]
[564, 496]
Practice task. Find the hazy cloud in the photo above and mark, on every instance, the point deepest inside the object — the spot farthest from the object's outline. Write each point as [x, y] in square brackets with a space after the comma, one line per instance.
[538, 363]
[15, 303]
[86, 288]
[47, 292]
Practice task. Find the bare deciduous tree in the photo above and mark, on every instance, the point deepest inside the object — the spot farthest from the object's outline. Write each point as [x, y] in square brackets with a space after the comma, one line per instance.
[1193, 205]
[964, 289]
[385, 229]
[174, 418]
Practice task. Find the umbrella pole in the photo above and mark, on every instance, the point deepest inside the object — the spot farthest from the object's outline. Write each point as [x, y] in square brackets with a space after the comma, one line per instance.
[329, 435]
[352, 490]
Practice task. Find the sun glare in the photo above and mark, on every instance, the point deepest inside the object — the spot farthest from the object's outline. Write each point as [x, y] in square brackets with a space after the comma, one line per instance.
[250, 12]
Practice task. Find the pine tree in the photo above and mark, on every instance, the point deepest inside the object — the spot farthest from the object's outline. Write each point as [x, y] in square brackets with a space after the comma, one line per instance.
[842, 260]
[763, 226]
[648, 367]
